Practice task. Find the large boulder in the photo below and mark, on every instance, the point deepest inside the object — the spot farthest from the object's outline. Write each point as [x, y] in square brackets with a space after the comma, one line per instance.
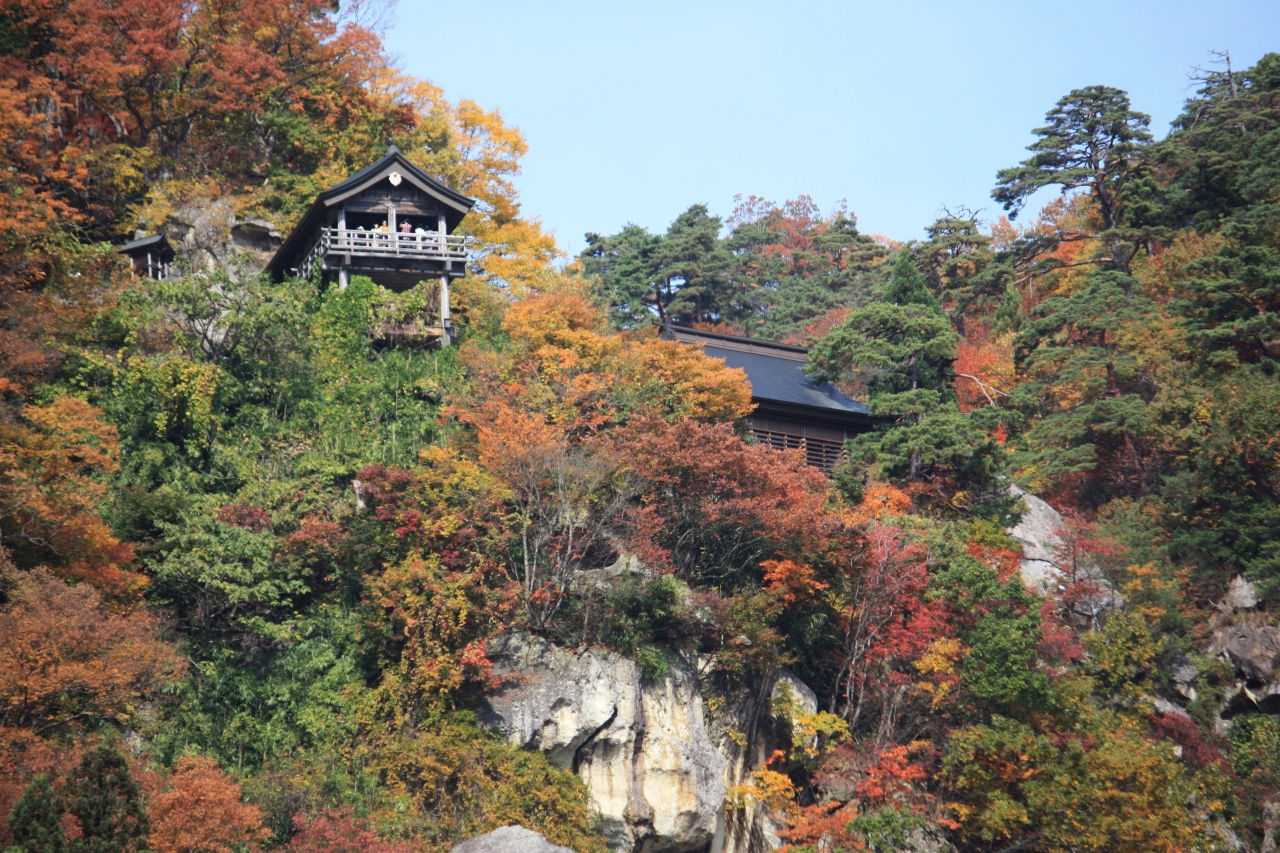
[207, 235]
[1043, 569]
[1039, 533]
[1253, 649]
[656, 762]
[509, 839]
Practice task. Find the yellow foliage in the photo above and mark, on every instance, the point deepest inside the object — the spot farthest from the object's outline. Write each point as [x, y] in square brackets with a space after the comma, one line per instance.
[771, 789]
[939, 659]
[565, 363]
[1145, 588]
[1160, 275]
[811, 733]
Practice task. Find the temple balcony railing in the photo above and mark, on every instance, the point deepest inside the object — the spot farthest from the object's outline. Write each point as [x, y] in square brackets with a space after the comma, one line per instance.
[819, 452]
[385, 245]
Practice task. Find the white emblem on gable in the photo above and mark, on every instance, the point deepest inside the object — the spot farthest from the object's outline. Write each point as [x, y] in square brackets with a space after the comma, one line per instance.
[395, 179]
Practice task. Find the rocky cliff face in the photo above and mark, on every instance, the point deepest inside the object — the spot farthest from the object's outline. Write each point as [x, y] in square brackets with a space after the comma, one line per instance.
[1044, 570]
[657, 762]
[207, 234]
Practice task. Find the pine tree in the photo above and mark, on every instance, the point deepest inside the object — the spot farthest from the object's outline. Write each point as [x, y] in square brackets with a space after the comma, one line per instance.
[900, 350]
[623, 264]
[908, 285]
[1092, 391]
[106, 800]
[1010, 316]
[691, 269]
[1092, 140]
[36, 820]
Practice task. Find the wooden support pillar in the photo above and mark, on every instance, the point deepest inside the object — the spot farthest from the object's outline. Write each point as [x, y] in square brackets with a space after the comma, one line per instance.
[444, 310]
[346, 259]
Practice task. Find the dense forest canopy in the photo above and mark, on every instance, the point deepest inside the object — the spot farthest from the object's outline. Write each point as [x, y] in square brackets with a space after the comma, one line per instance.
[253, 556]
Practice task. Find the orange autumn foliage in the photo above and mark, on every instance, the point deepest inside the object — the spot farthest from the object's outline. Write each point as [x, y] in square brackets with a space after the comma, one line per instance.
[879, 499]
[565, 365]
[198, 809]
[716, 503]
[1006, 562]
[892, 777]
[985, 372]
[824, 826]
[675, 379]
[339, 831]
[794, 582]
[53, 470]
[65, 659]
[23, 756]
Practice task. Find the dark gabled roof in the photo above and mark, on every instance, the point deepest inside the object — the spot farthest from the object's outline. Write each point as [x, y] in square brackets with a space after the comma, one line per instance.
[156, 242]
[781, 380]
[456, 204]
[778, 382]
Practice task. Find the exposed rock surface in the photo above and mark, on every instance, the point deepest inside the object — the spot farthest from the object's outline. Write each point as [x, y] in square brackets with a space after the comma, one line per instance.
[1039, 532]
[206, 234]
[1253, 650]
[657, 766]
[1182, 673]
[510, 839]
[1241, 595]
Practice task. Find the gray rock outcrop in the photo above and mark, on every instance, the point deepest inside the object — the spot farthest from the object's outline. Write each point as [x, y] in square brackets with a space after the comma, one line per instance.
[1252, 649]
[509, 839]
[207, 235]
[1043, 568]
[657, 763]
[1039, 534]
[1241, 595]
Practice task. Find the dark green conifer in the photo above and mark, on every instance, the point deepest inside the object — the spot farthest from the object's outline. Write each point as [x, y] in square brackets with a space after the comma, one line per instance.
[105, 799]
[908, 285]
[36, 820]
[1092, 140]
[1009, 316]
[900, 350]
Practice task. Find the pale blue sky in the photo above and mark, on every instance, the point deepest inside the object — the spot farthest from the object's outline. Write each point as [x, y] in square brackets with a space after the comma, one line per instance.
[634, 111]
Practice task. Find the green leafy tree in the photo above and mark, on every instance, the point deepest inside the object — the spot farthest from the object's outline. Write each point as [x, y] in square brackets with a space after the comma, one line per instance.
[623, 263]
[1089, 389]
[36, 820]
[1000, 622]
[1092, 140]
[227, 582]
[900, 350]
[104, 797]
[1099, 786]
